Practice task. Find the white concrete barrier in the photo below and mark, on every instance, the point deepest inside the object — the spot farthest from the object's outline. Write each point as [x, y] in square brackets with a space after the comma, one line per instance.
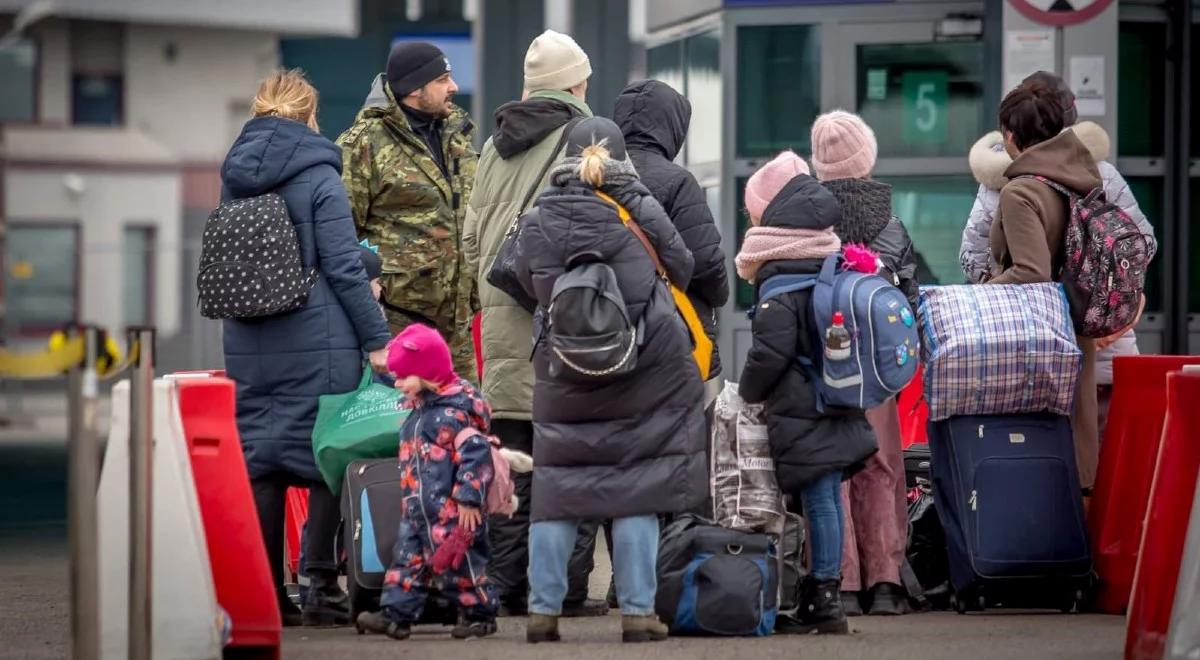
[1183, 636]
[184, 612]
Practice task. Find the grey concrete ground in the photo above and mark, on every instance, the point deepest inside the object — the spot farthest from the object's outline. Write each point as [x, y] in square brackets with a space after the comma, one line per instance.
[34, 615]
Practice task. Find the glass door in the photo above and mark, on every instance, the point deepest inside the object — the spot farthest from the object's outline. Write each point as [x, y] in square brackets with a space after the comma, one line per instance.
[924, 100]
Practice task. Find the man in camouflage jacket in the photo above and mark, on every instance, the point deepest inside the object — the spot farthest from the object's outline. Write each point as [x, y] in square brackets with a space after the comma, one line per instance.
[408, 165]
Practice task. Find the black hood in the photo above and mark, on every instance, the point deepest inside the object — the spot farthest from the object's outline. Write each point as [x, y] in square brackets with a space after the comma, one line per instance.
[520, 125]
[653, 117]
[803, 204]
[866, 208]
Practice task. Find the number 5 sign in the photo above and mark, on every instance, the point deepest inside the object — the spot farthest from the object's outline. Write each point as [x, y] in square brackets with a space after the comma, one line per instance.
[924, 106]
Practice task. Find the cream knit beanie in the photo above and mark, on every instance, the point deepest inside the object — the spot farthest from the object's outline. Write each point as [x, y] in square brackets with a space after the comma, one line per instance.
[843, 147]
[555, 61]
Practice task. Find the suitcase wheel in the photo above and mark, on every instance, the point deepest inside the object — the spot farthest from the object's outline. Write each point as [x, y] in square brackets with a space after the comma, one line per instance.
[966, 602]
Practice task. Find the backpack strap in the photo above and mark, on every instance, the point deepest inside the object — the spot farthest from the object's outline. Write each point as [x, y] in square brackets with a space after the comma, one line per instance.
[628, 221]
[779, 285]
[1052, 184]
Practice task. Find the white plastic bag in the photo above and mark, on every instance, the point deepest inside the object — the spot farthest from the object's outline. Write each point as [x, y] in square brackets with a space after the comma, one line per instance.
[745, 493]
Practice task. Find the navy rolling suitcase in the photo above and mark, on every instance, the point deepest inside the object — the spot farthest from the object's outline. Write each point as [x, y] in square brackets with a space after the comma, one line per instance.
[1007, 492]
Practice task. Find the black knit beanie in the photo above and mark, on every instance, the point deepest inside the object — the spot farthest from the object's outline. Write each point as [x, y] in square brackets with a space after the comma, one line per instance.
[411, 66]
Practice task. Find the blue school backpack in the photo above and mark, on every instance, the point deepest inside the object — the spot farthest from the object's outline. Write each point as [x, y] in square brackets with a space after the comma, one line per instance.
[882, 355]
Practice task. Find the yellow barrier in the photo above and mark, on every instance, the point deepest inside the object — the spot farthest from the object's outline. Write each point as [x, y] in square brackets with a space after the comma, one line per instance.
[63, 354]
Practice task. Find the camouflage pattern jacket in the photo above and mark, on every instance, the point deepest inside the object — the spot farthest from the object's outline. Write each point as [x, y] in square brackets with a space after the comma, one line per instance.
[402, 202]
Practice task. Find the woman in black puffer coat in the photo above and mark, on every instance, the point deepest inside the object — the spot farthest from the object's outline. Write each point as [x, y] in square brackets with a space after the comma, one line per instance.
[626, 449]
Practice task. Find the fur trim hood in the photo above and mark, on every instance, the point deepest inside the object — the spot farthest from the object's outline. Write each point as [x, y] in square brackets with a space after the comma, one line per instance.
[988, 160]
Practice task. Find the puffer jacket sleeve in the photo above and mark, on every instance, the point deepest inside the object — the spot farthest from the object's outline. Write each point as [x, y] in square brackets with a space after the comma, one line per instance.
[672, 251]
[471, 228]
[341, 262]
[474, 471]
[1026, 238]
[537, 268]
[895, 248]
[975, 254]
[694, 221]
[1117, 191]
[775, 333]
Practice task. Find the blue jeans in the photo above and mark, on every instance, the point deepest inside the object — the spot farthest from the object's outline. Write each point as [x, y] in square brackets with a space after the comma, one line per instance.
[635, 554]
[822, 501]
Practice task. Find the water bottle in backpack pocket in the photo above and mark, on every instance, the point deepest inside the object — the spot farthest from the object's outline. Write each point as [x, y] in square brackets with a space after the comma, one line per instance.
[866, 329]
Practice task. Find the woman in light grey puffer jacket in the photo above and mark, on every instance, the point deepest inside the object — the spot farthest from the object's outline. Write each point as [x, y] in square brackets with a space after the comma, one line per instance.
[988, 162]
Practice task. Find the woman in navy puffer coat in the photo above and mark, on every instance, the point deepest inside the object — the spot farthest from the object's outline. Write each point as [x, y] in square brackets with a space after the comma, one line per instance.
[283, 363]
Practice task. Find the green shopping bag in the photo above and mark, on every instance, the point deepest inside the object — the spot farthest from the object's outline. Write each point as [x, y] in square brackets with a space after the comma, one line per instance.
[364, 423]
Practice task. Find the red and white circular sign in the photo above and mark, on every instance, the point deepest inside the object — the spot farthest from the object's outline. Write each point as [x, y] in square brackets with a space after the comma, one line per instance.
[1060, 12]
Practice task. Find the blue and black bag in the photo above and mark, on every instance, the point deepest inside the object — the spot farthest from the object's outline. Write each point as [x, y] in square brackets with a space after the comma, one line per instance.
[716, 581]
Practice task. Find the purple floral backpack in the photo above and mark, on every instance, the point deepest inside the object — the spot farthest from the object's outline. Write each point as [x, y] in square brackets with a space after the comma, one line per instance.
[1104, 272]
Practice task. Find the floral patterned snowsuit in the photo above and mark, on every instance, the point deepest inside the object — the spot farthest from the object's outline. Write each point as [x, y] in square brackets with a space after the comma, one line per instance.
[435, 480]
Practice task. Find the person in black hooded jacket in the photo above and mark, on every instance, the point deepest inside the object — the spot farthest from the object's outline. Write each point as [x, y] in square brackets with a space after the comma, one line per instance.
[654, 119]
[813, 448]
[630, 447]
[844, 153]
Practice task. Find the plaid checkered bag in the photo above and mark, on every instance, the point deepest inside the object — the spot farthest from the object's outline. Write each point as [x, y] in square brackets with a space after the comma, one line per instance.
[998, 350]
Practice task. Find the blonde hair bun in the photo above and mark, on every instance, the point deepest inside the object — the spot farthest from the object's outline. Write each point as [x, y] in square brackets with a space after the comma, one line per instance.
[287, 94]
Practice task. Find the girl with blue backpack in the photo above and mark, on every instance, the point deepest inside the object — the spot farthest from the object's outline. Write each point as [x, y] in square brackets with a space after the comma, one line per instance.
[814, 445]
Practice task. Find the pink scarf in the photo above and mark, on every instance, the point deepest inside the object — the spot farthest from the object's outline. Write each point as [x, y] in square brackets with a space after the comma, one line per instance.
[765, 244]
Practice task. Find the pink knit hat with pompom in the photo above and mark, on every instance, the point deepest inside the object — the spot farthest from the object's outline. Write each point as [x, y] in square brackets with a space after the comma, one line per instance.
[769, 180]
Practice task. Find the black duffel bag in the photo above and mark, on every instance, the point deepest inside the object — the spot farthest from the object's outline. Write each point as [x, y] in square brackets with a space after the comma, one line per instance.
[716, 581]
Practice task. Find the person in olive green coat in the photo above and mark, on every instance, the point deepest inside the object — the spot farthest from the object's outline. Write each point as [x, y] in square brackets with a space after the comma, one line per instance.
[408, 166]
[515, 160]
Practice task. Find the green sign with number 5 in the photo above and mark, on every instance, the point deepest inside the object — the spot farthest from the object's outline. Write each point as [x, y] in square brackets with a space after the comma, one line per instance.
[924, 106]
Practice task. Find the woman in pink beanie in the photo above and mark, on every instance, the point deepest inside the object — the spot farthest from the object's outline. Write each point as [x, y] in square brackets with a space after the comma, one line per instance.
[444, 486]
[844, 153]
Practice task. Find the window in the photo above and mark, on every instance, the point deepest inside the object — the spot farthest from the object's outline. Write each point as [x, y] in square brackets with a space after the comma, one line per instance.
[138, 275]
[41, 278]
[18, 79]
[778, 88]
[665, 63]
[1148, 191]
[933, 209]
[98, 99]
[743, 293]
[702, 55]
[693, 67]
[1141, 103]
[923, 100]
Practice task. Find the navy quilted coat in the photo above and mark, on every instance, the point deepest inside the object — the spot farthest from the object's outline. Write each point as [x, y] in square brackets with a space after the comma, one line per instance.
[281, 364]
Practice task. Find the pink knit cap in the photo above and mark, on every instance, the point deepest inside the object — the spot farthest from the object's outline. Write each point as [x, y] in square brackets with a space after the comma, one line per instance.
[420, 351]
[843, 146]
[769, 180]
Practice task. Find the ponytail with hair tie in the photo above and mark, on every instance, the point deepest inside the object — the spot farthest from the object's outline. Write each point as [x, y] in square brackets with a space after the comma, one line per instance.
[591, 164]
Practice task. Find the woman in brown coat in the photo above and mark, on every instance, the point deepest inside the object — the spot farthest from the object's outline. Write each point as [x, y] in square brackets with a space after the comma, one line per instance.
[1027, 237]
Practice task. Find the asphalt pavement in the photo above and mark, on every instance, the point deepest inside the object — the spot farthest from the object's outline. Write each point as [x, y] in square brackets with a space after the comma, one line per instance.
[34, 612]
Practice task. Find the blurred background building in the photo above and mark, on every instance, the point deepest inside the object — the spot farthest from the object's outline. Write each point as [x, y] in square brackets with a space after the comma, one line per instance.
[115, 115]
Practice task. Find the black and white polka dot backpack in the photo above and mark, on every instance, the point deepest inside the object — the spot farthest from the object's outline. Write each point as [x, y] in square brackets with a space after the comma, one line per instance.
[250, 262]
